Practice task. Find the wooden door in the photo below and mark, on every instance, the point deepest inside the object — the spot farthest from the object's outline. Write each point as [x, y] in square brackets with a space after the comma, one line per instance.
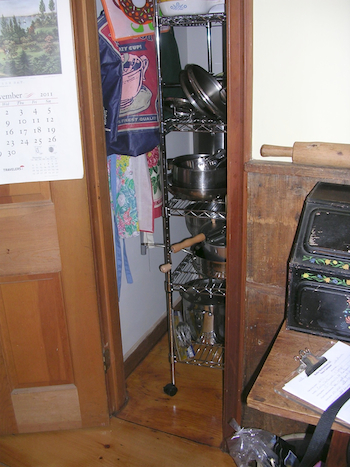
[58, 295]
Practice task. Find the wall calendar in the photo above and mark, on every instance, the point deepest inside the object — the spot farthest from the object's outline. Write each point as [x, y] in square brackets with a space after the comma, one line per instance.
[40, 138]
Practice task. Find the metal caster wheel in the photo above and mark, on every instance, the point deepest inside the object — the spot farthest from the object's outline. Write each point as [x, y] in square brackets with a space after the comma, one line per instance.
[170, 389]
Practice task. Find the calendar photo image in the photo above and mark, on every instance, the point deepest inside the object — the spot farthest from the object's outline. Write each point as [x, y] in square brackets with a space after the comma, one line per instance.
[40, 131]
[29, 40]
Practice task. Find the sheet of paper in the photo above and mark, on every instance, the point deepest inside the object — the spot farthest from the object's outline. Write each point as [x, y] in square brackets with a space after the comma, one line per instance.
[327, 383]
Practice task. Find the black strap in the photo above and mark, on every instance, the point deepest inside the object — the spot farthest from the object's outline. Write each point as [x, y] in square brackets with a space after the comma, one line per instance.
[322, 430]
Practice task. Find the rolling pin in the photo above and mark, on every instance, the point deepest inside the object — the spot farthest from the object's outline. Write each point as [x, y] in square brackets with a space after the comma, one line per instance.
[322, 154]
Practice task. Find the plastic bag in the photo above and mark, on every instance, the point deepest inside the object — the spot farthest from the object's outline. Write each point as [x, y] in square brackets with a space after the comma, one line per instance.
[252, 446]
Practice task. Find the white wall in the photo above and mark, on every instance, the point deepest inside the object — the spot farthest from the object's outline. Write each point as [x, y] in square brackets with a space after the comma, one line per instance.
[301, 70]
[99, 7]
[142, 304]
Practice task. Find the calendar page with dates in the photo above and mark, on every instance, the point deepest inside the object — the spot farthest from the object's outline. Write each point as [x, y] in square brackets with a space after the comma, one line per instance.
[40, 138]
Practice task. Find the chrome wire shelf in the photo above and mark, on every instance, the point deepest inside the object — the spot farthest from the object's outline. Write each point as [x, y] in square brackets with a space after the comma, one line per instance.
[211, 356]
[184, 119]
[192, 20]
[201, 209]
[186, 272]
[194, 124]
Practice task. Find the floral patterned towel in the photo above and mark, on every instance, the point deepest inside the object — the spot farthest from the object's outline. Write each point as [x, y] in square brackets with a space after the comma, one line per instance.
[124, 202]
[124, 214]
[154, 171]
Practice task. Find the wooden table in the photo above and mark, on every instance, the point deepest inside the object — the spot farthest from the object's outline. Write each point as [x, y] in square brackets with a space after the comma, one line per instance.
[278, 366]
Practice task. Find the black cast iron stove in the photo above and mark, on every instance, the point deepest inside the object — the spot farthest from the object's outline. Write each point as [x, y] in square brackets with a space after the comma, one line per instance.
[318, 292]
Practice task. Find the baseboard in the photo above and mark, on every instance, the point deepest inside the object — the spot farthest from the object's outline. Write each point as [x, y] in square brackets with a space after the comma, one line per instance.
[142, 350]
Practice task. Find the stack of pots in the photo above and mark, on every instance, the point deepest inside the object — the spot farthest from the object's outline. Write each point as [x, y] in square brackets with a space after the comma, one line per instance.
[198, 176]
[204, 312]
[202, 178]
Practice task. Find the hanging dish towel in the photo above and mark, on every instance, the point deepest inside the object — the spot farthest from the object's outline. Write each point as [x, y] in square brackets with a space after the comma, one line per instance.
[143, 190]
[148, 189]
[154, 168]
[124, 210]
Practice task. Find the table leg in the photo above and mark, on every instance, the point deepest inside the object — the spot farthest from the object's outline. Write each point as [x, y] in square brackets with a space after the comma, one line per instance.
[337, 450]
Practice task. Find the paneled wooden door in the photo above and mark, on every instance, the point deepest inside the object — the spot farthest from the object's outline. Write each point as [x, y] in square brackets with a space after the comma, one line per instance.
[58, 296]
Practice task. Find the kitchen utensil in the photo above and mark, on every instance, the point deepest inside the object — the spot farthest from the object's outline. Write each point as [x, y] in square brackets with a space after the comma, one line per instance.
[213, 243]
[196, 102]
[206, 265]
[213, 220]
[198, 161]
[199, 171]
[207, 89]
[195, 193]
[208, 335]
[324, 154]
[204, 312]
[183, 334]
[180, 106]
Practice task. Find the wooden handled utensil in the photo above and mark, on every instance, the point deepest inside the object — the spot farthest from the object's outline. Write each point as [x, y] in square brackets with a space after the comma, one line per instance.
[323, 154]
[187, 242]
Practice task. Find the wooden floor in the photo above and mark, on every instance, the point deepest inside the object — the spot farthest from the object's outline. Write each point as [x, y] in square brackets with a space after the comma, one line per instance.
[152, 430]
[193, 413]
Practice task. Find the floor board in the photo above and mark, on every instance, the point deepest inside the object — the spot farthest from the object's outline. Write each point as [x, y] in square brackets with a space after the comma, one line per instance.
[122, 444]
[153, 430]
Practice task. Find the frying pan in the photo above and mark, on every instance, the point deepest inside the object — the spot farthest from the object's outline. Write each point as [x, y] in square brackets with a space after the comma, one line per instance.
[212, 243]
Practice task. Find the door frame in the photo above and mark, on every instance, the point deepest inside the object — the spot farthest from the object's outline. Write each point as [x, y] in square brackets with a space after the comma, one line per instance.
[84, 16]
[239, 136]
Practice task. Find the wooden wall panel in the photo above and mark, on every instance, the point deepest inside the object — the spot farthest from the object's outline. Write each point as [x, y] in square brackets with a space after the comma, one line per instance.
[35, 344]
[261, 327]
[274, 206]
[24, 192]
[276, 193]
[28, 239]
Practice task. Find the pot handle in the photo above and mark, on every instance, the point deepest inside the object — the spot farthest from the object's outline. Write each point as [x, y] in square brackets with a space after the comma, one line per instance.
[165, 267]
[187, 242]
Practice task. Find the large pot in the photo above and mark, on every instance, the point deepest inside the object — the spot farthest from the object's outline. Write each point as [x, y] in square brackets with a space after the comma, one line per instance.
[196, 224]
[199, 175]
[206, 265]
[204, 312]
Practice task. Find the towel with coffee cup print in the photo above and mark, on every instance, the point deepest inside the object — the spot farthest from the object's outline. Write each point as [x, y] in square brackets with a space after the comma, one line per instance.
[131, 117]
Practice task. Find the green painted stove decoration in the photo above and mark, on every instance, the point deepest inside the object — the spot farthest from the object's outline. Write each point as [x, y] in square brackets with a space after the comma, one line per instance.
[326, 279]
[327, 262]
